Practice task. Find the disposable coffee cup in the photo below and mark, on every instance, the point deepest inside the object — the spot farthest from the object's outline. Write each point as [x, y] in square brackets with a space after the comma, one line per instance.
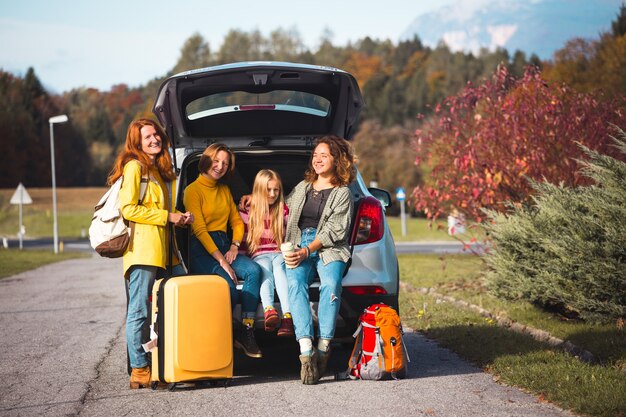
[285, 248]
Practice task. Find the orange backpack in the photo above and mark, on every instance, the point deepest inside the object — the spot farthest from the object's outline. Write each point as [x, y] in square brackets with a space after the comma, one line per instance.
[379, 351]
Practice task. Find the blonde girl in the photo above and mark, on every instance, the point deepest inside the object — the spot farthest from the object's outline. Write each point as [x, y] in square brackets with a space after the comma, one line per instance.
[265, 220]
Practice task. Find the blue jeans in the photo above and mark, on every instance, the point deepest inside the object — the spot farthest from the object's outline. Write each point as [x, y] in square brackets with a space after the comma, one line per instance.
[300, 278]
[140, 281]
[202, 262]
[273, 278]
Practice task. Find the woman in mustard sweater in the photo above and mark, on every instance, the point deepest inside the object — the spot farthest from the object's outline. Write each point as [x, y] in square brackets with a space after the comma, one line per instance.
[212, 252]
[145, 158]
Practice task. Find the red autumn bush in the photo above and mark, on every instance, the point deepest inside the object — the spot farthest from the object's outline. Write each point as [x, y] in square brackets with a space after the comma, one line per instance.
[481, 145]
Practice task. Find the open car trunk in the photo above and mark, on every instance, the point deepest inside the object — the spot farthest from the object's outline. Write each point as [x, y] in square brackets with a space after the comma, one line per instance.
[290, 165]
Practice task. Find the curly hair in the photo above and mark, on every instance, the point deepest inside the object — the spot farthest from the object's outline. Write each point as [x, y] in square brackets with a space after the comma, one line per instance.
[132, 150]
[343, 157]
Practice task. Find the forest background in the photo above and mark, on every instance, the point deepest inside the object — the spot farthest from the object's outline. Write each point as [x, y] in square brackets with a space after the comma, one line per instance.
[402, 85]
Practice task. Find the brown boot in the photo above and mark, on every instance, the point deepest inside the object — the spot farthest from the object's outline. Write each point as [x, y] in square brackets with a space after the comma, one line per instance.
[140, 378]
[309, 373]
[322, 361]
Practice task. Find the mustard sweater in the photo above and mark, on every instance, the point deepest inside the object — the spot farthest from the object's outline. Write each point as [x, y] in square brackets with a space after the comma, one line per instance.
[214, 209]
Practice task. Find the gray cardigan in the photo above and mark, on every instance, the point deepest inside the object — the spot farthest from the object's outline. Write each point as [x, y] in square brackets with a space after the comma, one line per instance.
[333, 228]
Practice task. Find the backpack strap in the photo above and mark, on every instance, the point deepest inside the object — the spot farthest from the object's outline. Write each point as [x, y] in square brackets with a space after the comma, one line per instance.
[380, 347]
[357, 350]
[143, 186]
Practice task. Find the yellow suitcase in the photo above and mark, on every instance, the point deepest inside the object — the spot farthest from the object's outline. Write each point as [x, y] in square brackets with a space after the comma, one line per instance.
[193, 321]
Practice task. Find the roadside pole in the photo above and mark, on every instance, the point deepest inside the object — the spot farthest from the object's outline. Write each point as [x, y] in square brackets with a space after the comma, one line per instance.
[20, 197]
[401, 196]
[55, 226]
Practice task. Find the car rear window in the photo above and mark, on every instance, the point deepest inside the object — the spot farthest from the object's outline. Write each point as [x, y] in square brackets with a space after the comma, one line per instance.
[241, 101]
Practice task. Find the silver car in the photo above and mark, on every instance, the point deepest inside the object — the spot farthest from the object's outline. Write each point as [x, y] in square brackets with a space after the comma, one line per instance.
[269, 114]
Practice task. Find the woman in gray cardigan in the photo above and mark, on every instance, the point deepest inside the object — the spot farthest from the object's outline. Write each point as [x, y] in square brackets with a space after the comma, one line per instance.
[320, 212]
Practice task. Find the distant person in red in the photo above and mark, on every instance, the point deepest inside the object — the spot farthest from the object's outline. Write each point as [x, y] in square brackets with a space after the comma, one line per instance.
[145, 158]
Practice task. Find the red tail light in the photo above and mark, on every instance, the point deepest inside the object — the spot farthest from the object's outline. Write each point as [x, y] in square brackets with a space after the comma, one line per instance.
[366, 290]
[369, 223]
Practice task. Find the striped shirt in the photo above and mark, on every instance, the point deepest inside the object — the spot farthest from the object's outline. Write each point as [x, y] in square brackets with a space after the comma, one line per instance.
[267, 243]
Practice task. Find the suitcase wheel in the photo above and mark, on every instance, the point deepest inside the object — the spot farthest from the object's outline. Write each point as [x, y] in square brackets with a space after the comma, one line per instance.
[154, 385]
[171, 387]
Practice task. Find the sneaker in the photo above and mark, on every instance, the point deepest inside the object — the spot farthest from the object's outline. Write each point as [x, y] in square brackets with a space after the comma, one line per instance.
[322, 361]
[244, 340]
[271, 320]
[308, 373]
[286, 327]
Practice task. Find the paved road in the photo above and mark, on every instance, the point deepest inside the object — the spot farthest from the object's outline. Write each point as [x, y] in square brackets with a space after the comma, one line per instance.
[62, 352]
[437, 247]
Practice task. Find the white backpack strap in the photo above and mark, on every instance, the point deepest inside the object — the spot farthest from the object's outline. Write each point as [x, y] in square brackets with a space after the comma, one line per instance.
[380, 347]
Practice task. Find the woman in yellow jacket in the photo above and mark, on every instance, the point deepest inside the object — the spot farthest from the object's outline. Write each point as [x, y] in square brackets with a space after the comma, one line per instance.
[145, 158]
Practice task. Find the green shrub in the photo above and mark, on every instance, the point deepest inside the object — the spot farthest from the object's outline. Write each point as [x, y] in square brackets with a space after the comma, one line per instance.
[567, 250]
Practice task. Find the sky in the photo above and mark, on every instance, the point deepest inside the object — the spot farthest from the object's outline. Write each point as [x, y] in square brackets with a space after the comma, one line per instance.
[74, 43]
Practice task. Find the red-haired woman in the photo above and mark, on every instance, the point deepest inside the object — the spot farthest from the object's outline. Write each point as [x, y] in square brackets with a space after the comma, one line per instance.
[145, 157]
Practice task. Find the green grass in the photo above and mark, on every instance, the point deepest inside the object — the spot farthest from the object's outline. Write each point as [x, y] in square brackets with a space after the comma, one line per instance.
[74, 212]
[515, 359]
[14, 261]
[72, 224]
[420, 229]
[460, 276]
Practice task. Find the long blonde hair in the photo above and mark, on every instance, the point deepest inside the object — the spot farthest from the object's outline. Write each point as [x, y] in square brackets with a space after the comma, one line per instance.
[260, 211]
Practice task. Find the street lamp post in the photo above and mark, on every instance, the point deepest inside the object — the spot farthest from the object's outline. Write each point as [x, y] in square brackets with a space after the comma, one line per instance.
[55, 119]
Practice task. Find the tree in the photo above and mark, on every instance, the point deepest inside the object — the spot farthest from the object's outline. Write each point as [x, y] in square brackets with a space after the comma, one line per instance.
[195, 53]
[482, 143]
[25, 108]
[375, 146]
[518, 64]
[363, 66]
[18, 132]
[285, 45]
[573, 65]
[327, 54]
[618, 26]
[240, 46]
[565, 250]
[587, 65]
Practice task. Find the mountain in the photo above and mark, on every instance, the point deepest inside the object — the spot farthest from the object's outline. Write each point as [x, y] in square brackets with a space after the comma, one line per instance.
[532, 26]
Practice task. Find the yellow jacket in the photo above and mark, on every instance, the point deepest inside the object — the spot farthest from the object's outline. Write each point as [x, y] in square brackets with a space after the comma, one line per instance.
[213, 207]
[151, 238]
